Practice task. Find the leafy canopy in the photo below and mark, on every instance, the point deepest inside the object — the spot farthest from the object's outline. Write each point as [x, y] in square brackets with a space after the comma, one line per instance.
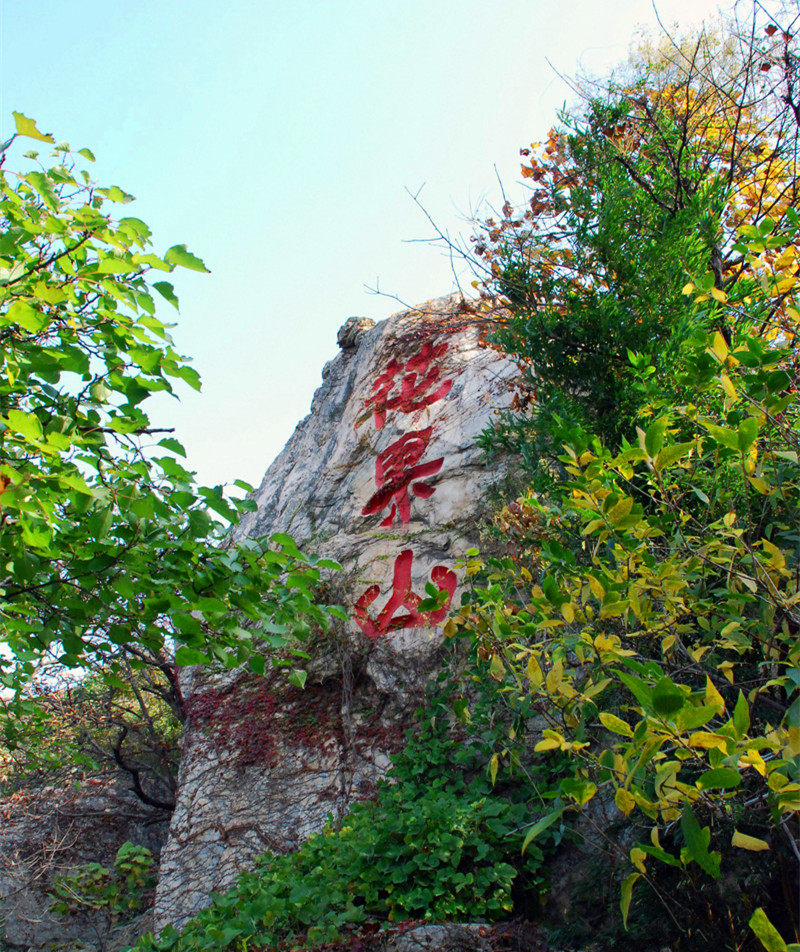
[648, 606]
[106, 540]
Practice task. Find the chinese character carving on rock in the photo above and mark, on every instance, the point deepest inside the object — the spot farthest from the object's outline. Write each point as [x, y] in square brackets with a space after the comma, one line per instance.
[418, 387]
[398, 471]
[402, 597]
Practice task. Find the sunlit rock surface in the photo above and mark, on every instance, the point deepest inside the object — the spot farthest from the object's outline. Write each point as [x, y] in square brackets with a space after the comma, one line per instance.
[384, 475]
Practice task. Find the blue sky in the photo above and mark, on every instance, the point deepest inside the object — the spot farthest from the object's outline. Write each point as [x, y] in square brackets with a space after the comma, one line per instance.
[278, 141]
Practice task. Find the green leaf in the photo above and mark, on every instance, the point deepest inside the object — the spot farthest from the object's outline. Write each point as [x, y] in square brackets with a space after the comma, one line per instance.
[27, 127]
[697, 841]
[186, 656]
[551, 591]
[725, 437]
[26, 424]
[87, 154]
[766, 932]
[298, 678]
[668, 698]
[640, 690]
[691, 717]
[189, 375]
[100, 522]
[179, 256]
[257, 664]
[626, 896]
[581, 791]
[660, 854]
[747, 433]
[115, 265]
[116, 194]
[670, 455]
[171, 444]
[654, 436]
[166, 291]
[23, 313]
[741, 715]
[540, 826]
[721, 778]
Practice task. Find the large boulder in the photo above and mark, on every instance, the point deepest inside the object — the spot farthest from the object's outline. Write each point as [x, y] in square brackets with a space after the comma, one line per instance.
[385, 476]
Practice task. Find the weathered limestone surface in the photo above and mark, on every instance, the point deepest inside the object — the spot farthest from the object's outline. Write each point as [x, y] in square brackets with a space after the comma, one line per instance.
[384, 476]
[50, 831]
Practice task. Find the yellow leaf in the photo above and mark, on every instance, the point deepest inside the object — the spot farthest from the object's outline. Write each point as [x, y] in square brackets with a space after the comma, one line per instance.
[493, 763]
[604, 643]
[745, 842]
[777, 781]
[728, 387]
[549, 743]
[568, 612]
[27, 127]
[638, 857]
[597, 688]
[718, 295]
[654, 838]
[534, 672]
[707, 741]
[597, 589]
[622, 509]
[792, 749]
[450, 628]
[713, 697]
[615, 724]
[625, 900]
[719, 347]
[624, 801]
[687, 288]
[497, 669]
[759, 485]
[777, 558]
[555, 676]
[590, 527]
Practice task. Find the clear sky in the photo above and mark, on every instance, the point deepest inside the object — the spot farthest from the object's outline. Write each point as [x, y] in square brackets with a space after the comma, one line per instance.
[278, 141]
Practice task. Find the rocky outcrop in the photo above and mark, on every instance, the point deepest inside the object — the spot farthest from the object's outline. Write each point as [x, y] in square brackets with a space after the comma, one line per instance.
[50, 831]
[385, 477]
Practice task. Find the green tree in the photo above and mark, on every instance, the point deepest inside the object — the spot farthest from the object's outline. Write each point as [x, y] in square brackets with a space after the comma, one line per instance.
[646, 183]
[126, 721]
[107, 542]
[649, 607]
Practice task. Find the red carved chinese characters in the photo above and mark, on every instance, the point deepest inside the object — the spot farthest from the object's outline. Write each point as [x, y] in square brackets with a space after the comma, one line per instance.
[403, 598]
[419, 385]
[397, 471]
[399, 474]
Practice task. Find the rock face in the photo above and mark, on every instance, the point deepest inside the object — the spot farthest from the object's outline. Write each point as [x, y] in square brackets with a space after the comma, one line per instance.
[385, 477]
[50, 831]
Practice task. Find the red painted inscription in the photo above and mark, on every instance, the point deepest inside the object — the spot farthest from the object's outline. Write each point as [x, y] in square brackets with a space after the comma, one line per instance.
[403, 598]
[397, 471]
[418, 385]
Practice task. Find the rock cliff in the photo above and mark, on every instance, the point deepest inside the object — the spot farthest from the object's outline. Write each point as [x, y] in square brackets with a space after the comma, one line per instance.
[384, 476]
